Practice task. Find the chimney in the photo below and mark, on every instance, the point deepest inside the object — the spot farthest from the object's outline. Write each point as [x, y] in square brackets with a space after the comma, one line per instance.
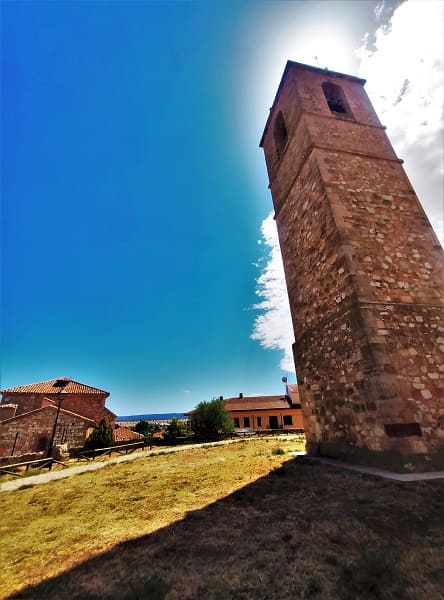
[241, 395]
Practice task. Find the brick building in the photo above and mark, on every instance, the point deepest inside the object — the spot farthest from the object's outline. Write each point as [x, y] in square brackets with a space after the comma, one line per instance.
[28, 415]
[265, 412]
[364, 273]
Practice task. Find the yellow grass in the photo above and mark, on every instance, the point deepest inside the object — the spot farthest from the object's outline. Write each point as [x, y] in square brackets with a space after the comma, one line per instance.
[235, 522]
[47, 529]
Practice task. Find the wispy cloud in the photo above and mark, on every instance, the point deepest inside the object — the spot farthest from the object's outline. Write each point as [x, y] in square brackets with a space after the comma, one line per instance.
[273, 327]
[404, 70]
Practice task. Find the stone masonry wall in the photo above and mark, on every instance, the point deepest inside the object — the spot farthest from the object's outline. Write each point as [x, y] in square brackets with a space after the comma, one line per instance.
[365, 278]
[7, 411]
[87, 405]
[38, 425]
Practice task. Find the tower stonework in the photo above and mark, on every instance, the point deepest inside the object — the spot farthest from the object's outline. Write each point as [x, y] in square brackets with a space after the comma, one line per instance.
[365, 276]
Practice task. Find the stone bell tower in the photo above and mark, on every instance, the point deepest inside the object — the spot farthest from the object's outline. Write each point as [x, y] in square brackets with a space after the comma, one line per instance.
[365, 276]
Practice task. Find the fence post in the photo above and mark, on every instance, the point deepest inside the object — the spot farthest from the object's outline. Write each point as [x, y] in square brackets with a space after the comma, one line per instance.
[15, 441]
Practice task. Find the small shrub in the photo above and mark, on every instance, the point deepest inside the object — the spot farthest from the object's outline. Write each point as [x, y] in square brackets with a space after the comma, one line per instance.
[278, 451]
[175, 429]
[100, 437]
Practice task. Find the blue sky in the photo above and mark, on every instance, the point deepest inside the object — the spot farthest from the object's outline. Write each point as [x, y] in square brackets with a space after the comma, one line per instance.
[134, 191]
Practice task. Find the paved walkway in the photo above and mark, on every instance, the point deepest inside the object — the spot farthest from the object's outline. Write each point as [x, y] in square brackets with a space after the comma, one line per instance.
[93, 466]
[376, 472]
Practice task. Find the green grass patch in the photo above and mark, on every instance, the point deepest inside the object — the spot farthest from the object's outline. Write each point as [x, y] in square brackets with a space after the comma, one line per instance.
[278, 451]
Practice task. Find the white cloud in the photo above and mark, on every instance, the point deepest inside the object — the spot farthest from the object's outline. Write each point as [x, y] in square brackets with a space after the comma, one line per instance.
[379, 9]
[403, 65]
[404, 69]
[384, 11]
[273, 327]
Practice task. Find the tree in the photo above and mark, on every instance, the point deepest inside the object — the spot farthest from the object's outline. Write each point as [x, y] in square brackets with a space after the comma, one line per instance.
[175, 429]
[100, 437]
[144, 428]
[210, 420]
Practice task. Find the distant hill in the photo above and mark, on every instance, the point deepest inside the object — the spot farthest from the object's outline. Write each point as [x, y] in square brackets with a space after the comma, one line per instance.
[152, 417]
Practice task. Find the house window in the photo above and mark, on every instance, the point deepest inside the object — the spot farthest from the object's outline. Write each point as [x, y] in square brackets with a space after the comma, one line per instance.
[288, 420]
[280, 134]
[236, 421]
[246, 421]
[336, 100]
[274, 422]
[259, 422]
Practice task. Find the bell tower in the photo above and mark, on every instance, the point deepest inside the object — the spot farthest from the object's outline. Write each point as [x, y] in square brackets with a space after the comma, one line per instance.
[364, 273]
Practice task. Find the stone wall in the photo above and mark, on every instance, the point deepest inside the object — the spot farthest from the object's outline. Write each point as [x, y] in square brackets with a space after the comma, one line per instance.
[88, 405]
[365, 278]
[7, 411]
[34, 431]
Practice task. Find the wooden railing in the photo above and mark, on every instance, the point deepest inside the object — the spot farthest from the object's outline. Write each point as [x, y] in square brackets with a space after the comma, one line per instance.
[40, 463]
[120, 449]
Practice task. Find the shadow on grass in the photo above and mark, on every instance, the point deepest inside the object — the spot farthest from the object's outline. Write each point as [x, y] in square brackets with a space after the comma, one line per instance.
[303, 531]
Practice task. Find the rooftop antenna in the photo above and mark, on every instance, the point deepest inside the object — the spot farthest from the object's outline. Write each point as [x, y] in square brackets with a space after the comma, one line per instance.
[284, 381]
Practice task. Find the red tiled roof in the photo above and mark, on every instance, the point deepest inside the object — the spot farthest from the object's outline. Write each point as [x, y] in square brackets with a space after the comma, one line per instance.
[257, 403]
[53, 386]
[122, 434]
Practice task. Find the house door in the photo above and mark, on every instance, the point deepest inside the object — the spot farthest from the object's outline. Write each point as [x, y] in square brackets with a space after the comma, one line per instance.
[42, 444]
[274, 423]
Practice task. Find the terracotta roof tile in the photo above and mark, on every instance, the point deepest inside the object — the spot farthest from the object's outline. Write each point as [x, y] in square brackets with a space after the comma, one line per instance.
[257, 403]
[53, 386]
[122, 434]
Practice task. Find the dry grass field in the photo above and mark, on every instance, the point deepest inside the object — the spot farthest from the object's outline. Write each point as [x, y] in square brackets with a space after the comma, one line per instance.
[242, 521]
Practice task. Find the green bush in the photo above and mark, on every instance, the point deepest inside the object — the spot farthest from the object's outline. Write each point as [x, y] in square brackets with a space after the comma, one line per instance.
[144, 428]
[175, 429]
[210, 420]
[278, 451]
[100, 437]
